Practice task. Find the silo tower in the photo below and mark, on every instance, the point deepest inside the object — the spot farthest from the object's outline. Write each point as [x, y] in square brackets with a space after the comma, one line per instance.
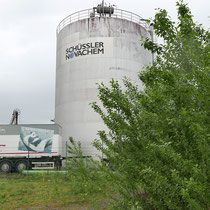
[94, 46]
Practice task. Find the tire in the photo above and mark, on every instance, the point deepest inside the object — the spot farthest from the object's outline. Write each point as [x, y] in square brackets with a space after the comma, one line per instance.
[5, 166]
[21, 165]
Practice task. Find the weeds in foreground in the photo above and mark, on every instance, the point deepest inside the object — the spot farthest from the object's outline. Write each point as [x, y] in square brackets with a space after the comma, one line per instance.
[44, 191]
[89, 177]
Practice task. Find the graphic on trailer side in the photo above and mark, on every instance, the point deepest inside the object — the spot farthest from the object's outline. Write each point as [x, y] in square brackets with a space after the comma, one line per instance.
[37, 140]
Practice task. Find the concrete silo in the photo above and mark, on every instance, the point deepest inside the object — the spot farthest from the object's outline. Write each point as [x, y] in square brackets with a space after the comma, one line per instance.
[94, 46]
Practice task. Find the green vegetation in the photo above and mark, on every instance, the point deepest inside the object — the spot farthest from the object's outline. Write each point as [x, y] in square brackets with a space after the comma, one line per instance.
[47, 192]
[89, 176]
[159, 138]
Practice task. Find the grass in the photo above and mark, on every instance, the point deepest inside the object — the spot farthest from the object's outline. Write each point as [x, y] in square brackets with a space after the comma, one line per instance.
[44, 191]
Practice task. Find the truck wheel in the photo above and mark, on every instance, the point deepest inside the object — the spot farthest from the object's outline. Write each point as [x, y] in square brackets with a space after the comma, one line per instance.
[5, 166]
[21, 165]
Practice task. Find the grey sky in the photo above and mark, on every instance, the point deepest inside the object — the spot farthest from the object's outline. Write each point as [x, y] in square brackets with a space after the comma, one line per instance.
[28, 49]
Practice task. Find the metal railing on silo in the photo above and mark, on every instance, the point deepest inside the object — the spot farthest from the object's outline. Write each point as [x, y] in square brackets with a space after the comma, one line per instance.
[89, 13]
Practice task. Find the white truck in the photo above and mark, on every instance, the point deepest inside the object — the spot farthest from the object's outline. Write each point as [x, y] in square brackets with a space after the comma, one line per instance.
[30, 146]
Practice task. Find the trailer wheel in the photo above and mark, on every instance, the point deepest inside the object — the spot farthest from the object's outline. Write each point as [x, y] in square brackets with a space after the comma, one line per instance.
[21, 165]
[5, 166]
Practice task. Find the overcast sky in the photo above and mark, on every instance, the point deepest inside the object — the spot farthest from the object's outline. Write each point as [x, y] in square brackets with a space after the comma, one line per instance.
[28, 49]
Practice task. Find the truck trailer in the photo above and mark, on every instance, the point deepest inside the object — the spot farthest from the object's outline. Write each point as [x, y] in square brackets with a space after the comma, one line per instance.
[30, 146]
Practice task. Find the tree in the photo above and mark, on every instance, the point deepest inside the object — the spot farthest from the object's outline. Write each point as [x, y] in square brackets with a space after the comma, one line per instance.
[158, 139]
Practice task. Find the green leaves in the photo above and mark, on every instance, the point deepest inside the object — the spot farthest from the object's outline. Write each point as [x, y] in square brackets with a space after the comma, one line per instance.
[163, 26]
[158, 139]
